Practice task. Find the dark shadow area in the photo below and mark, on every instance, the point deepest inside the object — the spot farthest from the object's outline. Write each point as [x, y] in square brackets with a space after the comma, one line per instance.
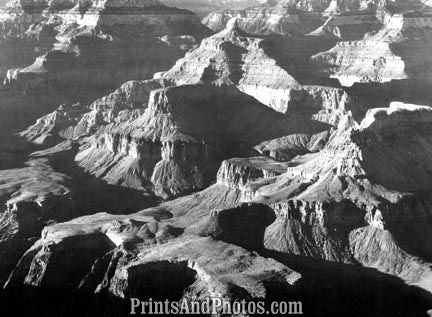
[244, 225]
[335, 289]
[160, 280]
[92, 195]
[376, 95]
[294, 53]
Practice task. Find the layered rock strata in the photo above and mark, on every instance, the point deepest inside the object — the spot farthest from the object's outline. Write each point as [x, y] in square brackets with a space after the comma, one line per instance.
[363, 193]
[88, 50]
[178, 142]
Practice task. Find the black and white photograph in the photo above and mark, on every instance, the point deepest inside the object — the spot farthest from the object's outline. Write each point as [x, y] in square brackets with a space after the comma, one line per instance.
[215, 158]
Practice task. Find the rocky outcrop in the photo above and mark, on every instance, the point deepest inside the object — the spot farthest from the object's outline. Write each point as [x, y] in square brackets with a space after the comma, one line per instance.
[231, 56]
[176, 145]
[79, 120]
[365, 185]
[263, 19]
[236, 173]
[22, 37]
[259, 68]
[285, 149]
[348, 20]
[89, 49]
[320, 103]
[30, 197]
[385, 56]
[317, 185]
[348, 26]
[123, 267]
[54, 127]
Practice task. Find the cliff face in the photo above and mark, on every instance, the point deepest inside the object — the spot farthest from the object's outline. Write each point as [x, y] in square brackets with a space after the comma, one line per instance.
[110, 260]
[236, 173]
[347, 20]
[177, 143]
[264, 68]
[30, 196]
[87, 48]
[390, 53]
[84, 38]
[278, 170]
[354, 196]
[171, 141]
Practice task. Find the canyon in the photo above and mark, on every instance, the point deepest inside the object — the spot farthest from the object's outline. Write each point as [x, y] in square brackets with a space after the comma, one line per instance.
[238, 149]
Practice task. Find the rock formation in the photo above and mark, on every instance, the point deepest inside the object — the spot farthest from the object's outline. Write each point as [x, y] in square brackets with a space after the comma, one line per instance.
[168, 142]
[347, 20]
[265, 69]
[352, 203]
[88, 48]
[384, 56]
[285, 157]
[177, 143]
[363, 192]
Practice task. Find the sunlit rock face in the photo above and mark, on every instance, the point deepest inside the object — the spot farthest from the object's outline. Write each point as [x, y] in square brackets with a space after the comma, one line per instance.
[85, 35]
[21, 38]
[391, 64]
[30, 196]
[364, 192]
[342, 19]
[350, 203]
[139, 137]
[117, 258]
[85, 50]
[267, 18]
[386, 55]
[253, 163]
[266, 69]
[176, 145]
[168, 135]
[69, 53]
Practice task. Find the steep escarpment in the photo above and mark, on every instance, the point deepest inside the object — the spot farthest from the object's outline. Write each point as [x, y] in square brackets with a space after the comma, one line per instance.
[90, 49]
[121, 263]
[236, 173]
[350, 203]
[118, 25]
[79, 120]
[361, 193]
[177, 144]
[22, 39]
[264, 68]
[241, 172]
[393, 62]
[172, 141]
[166, 253]
[261, 19]
[230, 56]
[348, 20]
[30, 196]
